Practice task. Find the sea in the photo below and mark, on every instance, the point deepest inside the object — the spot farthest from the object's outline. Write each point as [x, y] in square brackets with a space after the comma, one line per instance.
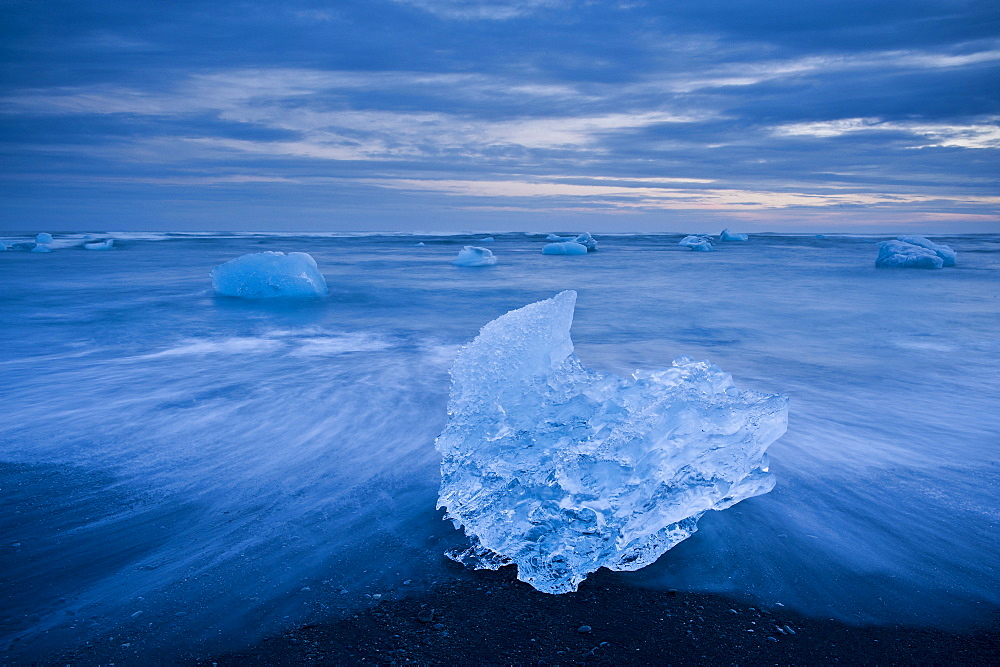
[186, 473]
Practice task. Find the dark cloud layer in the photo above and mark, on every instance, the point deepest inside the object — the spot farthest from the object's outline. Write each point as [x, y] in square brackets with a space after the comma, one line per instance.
[501, 114]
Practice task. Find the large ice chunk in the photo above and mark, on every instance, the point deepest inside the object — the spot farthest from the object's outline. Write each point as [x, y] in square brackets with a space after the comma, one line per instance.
[946, 254]
[561, 469]
[43, 238]
[564, 248]
[472, 255]
[263, 275]
[697, 242]
[727, 235]
[899, 254]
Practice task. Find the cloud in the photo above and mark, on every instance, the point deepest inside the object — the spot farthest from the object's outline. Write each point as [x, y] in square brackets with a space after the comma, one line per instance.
[983, 134]
[475, 10]
[649, 198]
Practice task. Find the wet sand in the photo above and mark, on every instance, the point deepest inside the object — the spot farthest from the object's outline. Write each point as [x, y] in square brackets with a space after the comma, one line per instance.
[491, 618]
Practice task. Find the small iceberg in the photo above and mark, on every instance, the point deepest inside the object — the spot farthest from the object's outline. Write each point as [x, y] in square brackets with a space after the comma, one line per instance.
[41, 247]
[100, 245]
[43, 239]
[472, 255]
[914, 252]
[560, 469]
[268, 275]
[587, 241]
[419, 245]
[564, 248]
[947, 255]
[696, 242]
[488, 239]
[3, 246]
[584, 239]
[726, 235]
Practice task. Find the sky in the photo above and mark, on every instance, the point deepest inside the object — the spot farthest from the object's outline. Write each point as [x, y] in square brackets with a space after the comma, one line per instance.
[852, 116]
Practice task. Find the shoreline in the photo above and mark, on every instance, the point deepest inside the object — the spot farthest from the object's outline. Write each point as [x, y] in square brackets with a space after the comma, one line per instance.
[491, 618]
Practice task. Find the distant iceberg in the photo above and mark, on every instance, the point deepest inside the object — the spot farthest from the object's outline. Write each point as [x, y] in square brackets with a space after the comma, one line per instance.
[265, 275]
[947, 255]
[100, 245]
[561, 469]
[584, 239]
[487, 239]
[699, 243]
[41, 247]
[587, 241]
[564, 248]
[43, 238]
[914, 252]
[471, 255]
[726, 235]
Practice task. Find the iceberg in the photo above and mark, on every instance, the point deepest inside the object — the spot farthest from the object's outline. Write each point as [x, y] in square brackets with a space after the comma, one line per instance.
[564, 248]
[100, 245]
[419, 245]
[700, 243]
[584, 239]
[726, 235]
[471, 255]
[487, 239]
[947, 255]
[900, 254]
[43, 239]
[264, 275]
[3, 246]
[561, 470]
[587, 241]
[41, 247]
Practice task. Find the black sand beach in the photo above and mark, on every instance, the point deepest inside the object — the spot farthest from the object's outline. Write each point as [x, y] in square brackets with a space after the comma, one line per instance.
[491, 618]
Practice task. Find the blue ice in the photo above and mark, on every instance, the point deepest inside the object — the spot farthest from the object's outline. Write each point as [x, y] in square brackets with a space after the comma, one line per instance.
[564, 248]
[265, 275]
[474, 256]
[697, 242]
[947, 255]
[561, 469]
[900, 254]
[726, 235]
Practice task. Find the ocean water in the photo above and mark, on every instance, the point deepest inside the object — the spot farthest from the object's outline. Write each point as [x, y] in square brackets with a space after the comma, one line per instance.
[188, 472]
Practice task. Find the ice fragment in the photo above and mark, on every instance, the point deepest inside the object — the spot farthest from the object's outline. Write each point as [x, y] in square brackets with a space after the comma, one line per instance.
[474, 256]
[269, 274]
[899, 254]
[561, 469]
[697, 242]
[564, 248]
